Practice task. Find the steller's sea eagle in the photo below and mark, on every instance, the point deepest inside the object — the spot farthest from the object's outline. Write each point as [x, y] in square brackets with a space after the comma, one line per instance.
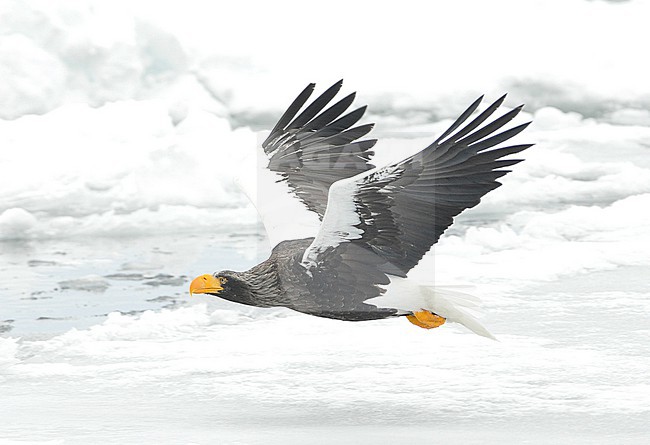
[363, 227]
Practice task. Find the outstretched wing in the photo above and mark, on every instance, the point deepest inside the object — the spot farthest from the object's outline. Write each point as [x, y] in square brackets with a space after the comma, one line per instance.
[399, 211]
[319, 146]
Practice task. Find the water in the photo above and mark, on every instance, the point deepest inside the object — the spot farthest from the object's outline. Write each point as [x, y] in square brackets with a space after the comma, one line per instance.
[52, 286]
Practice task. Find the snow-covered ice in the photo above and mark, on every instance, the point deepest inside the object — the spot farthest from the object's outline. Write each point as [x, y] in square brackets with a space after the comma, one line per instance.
[121, 127]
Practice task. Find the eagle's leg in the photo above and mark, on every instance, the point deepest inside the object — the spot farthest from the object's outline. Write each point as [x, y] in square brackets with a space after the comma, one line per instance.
[426, 319]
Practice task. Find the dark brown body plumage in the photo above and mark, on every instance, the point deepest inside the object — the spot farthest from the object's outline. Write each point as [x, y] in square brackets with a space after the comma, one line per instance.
[330, 291]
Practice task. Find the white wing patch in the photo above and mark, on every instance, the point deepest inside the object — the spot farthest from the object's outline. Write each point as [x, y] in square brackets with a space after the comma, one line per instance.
[341, 220]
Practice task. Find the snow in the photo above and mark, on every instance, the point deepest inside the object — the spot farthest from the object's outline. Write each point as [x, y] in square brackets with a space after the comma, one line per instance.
[126, 181]
[202, 375]
[122, 125]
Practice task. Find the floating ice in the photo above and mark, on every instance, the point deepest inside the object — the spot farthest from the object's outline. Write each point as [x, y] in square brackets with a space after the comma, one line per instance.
[91, 283]
[16, 223]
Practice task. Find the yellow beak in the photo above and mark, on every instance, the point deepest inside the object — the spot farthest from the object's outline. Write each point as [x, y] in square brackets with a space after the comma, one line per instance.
[205, 284]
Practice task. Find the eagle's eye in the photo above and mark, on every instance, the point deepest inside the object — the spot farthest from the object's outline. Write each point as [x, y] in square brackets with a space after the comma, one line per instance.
[223, 280]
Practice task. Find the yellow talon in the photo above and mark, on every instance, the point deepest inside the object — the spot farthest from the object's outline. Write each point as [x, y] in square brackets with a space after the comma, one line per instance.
[426, 319]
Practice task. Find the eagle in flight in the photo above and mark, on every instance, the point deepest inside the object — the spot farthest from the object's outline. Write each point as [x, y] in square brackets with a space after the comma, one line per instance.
[345, 234]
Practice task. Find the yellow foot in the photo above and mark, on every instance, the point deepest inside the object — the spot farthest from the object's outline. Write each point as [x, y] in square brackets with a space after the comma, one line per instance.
[426, 319]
